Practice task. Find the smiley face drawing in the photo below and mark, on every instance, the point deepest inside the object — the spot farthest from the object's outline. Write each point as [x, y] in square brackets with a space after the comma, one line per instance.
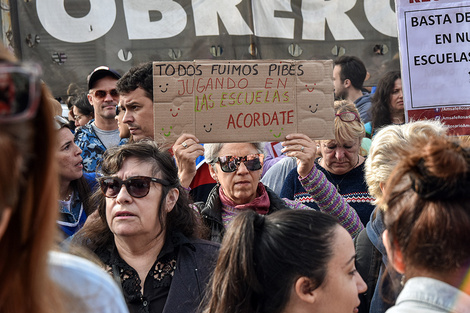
[310, 89]
[277, 136]
[173, 114]
[166, 88]
[208, 130]
[310, 107]
[166, 134]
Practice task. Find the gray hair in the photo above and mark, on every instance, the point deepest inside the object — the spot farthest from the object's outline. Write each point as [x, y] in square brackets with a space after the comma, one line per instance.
[389, 145]
[211, 150]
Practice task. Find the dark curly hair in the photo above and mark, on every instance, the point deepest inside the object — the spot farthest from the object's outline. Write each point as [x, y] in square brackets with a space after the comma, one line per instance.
[138, 76]
[380, 109]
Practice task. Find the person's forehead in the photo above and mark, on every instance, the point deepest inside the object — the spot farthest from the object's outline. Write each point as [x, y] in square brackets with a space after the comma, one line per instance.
[239, 149]
[137, 95]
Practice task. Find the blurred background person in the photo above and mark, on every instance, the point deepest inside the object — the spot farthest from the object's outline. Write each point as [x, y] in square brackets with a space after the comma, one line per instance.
[289, 261]
[387, 103]
[147, 234]
[341, 161]
[388, 147]
[35, 278]
[75, 187]
[83, 111]
[428, 225]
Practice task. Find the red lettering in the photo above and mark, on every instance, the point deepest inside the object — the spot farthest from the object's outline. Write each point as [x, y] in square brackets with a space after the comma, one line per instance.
[266, 83]
[229, 80]
[198, 88]
[256, 118]
[231, 121]
[279, 83]
[219, 81]
[290, 115]
[274, 118]
[240, 83]
[251, 120]
[238, 119]
[266, 116]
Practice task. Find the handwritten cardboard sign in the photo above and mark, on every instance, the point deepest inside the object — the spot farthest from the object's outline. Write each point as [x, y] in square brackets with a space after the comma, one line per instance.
[240, 101]
[434, 40]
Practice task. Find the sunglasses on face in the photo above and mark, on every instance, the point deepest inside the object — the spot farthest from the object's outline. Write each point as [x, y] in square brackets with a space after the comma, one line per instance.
[137, 186]
[20, 90]
[101, 94]
[229, 164]
[348, 116]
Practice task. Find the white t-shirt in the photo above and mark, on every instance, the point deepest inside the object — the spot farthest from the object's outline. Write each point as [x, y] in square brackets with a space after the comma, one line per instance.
[86, 281]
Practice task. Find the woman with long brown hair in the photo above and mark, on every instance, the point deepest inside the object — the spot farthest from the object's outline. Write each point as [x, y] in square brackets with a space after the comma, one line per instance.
[34, 279]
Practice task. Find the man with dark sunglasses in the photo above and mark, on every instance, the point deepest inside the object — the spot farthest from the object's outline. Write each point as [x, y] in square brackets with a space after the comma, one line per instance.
[101, 132]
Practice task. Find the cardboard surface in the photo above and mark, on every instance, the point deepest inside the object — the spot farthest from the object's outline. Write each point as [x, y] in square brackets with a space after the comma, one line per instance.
[240, 101]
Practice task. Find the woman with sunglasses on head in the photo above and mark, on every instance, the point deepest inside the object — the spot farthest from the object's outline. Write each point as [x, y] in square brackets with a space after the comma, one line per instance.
[288, 262]
[237, 169]
[427, 220]
[75, 187]
[34, 277]
[146, 233]
[341, 162]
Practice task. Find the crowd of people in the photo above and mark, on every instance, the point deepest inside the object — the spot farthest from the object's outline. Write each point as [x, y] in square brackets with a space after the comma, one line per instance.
[373, 220]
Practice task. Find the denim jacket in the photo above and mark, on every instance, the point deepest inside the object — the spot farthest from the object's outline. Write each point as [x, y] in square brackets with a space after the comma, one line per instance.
[91, 145]
[423, 294]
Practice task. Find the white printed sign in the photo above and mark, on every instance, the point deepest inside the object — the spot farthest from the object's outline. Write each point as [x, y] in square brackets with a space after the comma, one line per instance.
[434, 37]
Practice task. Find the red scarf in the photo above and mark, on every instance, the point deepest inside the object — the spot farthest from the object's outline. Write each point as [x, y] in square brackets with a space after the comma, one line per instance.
[260, 204]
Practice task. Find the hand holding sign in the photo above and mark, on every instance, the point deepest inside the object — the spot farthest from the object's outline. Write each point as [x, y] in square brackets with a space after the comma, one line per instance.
[303, 149]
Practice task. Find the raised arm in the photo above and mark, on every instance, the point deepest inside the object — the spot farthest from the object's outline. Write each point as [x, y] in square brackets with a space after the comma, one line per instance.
[317, 185]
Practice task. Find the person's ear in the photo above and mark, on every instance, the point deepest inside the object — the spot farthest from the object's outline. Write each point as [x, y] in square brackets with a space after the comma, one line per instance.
[382, 186]
[213, 172]
[90, 98]
[305, 290]
[4, 219]
[394, 253]
[347, 83]
[171, 199]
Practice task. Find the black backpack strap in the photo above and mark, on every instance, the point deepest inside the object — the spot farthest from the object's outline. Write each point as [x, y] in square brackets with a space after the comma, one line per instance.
[368, 262]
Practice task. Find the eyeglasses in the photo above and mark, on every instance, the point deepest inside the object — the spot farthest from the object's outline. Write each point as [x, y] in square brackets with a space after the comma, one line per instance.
[348, 116]
[228, 164]
[60, 122]
[20, 90]
[101, 94]
[137, 186]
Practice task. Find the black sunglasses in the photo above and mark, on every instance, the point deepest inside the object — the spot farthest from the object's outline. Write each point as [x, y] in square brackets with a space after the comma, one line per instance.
[228, 164]
[20, 91]
[137, 186]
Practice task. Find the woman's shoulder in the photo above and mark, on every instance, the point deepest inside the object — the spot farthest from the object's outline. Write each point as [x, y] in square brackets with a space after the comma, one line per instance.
[86, 281]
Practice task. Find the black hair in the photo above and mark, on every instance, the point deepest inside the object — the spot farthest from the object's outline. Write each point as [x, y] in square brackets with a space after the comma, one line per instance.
[140, 76]
[352, 68]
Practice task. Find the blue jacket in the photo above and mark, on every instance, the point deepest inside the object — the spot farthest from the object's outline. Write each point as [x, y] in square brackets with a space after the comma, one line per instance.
[71, 221]
[363, 105]
[91, 145]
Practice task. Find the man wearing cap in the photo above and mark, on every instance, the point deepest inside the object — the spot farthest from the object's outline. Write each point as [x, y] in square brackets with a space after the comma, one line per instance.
[101, 132]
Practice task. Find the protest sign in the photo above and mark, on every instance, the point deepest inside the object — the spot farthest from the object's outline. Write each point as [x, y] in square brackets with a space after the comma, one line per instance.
[239, 101]
[434, 43]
